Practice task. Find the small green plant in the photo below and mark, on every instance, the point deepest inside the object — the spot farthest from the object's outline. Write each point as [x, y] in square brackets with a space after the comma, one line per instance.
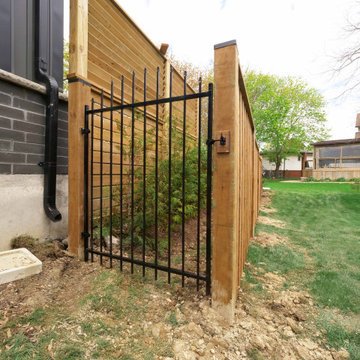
[310, 179]
[340, 179]
[172, 319]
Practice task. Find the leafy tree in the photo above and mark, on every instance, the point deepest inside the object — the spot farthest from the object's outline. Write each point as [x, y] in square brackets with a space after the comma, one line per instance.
[288, 114]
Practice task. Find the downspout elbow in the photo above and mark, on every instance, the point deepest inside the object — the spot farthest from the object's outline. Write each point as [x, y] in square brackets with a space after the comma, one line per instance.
[52, 212]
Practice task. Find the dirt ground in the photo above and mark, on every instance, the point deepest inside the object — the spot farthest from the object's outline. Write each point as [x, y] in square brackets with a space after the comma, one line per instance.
[274, 324]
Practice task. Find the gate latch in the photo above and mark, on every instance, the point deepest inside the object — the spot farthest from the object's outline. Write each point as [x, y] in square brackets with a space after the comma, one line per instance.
[222, 140]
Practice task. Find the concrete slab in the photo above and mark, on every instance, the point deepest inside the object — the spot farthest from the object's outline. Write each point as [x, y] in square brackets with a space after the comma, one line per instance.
[17, 264]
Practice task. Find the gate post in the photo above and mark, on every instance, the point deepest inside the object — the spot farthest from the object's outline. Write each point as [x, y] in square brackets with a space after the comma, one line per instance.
[226, 189]
[79, 96]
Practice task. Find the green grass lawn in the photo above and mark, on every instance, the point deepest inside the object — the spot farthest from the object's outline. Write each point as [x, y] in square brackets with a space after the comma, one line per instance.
[309, 187]
[323, 228]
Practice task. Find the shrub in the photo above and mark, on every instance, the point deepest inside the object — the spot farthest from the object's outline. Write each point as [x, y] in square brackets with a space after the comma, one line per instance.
[340, 179]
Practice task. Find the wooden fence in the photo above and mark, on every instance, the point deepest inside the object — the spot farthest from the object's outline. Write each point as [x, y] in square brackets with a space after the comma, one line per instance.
[237, 178]
[105, 44]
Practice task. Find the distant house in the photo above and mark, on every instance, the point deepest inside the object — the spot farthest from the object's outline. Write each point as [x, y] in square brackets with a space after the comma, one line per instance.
[294, 166]
[338, 158]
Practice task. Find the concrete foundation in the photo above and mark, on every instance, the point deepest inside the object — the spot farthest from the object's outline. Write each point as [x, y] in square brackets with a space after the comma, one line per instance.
[21, 204]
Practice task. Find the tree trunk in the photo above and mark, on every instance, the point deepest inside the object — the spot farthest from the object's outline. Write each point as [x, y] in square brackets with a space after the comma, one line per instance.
[277, 168]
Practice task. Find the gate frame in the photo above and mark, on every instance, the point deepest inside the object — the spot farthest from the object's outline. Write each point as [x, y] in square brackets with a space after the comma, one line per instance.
[85, 131]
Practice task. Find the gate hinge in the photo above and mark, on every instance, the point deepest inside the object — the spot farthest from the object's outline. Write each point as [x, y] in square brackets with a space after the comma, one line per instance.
[85, 235]
[222, 141]
[85, 131]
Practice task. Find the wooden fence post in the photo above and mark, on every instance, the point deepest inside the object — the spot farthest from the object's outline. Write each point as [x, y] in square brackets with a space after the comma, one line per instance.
[236, 179]
[79, 95]
[226, 190]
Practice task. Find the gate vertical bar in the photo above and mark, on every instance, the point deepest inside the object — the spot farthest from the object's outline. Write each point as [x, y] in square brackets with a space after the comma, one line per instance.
[198, 194]
[111, 169]
[209, 192]
[92, 183]
[156, 172]
[121, 171]
[144, 179]
[86, 183]
[132, 170]
[169, 213]
[101, 174]
[183, 191]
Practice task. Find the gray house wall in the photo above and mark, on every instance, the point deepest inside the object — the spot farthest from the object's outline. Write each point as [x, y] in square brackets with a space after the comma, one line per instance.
[22, 144]
[22, 131]
[17, 40]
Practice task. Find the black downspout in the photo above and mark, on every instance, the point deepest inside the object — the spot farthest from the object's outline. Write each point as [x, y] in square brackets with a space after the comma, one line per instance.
[52, 102]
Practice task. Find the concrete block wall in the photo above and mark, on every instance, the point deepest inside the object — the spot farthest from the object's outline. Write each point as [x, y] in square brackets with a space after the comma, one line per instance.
[22, 146]
[22, 131]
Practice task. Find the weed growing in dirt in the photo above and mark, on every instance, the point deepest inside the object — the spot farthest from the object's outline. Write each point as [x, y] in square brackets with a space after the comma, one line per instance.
[172, 319]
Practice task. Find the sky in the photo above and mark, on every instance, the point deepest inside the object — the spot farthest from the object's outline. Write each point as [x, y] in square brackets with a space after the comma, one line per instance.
[281, 37]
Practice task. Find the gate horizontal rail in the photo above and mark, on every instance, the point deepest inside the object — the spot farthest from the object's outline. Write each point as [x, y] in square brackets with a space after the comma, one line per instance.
[119, 217]
[150, 265]
[151, 102]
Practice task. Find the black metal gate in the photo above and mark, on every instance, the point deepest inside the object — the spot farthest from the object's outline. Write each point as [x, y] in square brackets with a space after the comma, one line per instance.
[148, 198]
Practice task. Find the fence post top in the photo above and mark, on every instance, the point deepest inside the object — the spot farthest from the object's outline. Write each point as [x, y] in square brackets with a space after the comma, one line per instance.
[224, 44]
